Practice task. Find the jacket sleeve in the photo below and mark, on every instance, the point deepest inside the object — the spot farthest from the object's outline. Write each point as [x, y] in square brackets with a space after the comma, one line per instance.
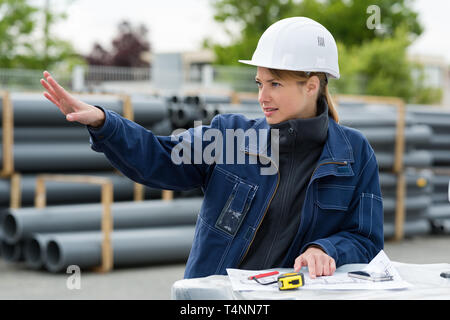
[361, 237]
[149, 159]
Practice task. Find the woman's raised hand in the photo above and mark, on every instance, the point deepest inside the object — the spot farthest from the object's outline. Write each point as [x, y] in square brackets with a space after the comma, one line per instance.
[72, 108]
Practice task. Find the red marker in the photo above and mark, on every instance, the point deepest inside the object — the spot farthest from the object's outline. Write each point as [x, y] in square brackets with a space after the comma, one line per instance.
[262, 275]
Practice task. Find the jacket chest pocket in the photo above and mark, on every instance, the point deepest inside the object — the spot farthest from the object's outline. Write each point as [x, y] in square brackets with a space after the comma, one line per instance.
[334, 198]
[236, 207]
[227, 201]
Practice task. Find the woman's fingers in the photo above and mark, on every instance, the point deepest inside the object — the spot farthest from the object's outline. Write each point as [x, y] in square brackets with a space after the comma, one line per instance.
[49, 97]
[59, 95]
[58, 91]
[49, 90]
[318, 262]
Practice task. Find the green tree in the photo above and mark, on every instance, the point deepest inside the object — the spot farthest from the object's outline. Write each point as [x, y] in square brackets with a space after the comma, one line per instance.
[372, 61]
[377, 67]
[25, 42]
[346, 19]
[17, 22]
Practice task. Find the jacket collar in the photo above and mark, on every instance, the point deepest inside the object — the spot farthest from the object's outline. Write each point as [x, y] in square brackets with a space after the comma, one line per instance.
[337, 147]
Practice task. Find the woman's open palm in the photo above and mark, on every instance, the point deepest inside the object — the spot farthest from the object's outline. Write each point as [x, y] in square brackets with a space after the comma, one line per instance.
[72, 108]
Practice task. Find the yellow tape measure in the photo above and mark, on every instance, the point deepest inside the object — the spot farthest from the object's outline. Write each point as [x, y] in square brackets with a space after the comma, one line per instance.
[291, 280]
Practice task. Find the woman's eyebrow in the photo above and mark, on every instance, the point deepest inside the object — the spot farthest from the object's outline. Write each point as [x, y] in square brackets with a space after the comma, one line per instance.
[270, 80]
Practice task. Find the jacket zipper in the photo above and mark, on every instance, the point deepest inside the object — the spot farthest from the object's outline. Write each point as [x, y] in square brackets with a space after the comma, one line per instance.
[330, 162]
[267, 208]
[270, 201]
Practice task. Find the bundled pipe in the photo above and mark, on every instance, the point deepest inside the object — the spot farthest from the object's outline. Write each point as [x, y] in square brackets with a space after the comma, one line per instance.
[439, 215]
[130, 247]
[57, 157]
[414, 158]
[184, 115]
[65, 193]
[410, 228]
[33, 109]
[21, 223]
[415, 181]
[413, 204]
[386, 136]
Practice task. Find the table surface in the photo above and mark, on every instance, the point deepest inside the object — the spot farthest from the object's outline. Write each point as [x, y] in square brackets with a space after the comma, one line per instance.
[425, 279]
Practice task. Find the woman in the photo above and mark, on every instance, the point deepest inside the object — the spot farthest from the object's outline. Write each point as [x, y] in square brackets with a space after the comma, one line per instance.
[320, 208]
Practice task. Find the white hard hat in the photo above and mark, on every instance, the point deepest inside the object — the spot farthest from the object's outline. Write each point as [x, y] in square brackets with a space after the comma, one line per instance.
[297, 44]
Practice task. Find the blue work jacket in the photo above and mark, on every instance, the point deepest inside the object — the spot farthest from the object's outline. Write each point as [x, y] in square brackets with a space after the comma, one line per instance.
[342, 211]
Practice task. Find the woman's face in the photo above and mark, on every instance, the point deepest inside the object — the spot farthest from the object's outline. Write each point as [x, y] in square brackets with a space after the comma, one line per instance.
[286, 99]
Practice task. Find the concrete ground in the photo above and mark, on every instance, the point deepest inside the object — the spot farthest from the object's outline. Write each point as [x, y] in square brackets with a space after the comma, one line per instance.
[155, 282]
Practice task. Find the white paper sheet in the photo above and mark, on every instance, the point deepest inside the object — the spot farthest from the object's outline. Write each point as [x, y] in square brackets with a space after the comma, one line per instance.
[338, 281]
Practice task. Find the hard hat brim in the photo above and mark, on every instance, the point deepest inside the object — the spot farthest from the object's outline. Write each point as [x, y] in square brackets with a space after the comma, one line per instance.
[329, 72]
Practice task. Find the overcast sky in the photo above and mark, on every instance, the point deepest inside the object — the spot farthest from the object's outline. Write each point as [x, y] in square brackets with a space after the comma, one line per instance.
[181, 25]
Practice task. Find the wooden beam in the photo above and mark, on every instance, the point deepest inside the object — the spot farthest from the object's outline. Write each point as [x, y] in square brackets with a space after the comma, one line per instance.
[8, 135]
[16, 191]
[107, 196]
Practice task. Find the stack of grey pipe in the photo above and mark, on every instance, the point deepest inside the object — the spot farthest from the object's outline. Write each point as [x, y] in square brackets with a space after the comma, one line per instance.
[438, 119]
[55, 237]
[44, 142]
[378, 123]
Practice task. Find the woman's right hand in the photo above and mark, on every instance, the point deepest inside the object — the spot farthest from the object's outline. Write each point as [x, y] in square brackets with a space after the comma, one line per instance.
[73, 109]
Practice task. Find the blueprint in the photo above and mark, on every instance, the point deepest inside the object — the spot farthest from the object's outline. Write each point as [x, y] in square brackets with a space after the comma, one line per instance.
[338, 281]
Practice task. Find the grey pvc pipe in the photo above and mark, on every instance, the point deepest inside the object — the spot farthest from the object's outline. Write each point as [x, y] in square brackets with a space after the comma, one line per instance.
[20, 223]
[66, 193]
[415, 134]
[416, 158]
[389, 180]
[371, 119]
[130, 247]
[441, 181]
[440, 197]
[12, 252]
[34, 250]
[149, 110]
[440, 157]
[412, 204]
[75, 133]
[410, 228]
[434, 119]
[33, 109]
[50, 134]
[204, 99]
[57, 157]
[184, 115]
[439, 211]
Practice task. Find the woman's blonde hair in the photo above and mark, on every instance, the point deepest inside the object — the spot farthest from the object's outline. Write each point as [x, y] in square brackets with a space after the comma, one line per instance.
[302, 76]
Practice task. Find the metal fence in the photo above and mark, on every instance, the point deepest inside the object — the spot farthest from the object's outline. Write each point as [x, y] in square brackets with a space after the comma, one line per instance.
[89, 77]
[106, 73]
[25, 79]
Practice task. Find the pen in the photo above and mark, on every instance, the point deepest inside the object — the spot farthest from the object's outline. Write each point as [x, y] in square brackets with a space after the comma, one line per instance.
[262, 275]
